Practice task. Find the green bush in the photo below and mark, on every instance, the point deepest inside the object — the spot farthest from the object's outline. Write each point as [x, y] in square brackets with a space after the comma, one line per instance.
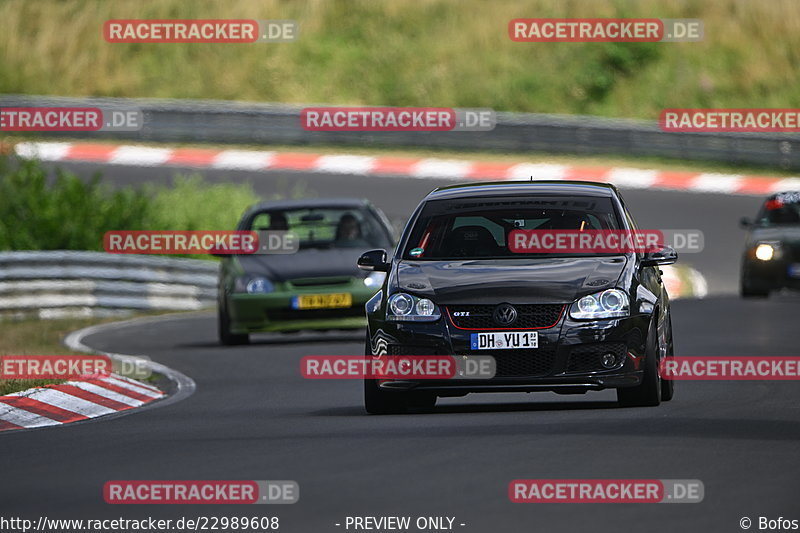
[72, 214]
[68, 214]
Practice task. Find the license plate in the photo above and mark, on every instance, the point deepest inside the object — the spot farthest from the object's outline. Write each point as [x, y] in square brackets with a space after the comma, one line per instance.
[322, 301]
[794, 270]
[511, 340]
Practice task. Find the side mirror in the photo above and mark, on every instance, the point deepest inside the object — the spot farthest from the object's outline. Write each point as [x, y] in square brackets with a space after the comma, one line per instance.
[666, 256]
[373, 261]
[745, 222]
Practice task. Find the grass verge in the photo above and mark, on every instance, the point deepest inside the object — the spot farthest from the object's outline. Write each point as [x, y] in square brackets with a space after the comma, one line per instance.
[42, 337]
[431, 52]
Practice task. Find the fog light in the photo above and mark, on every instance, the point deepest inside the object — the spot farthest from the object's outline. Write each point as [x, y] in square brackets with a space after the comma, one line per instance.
[609, 360]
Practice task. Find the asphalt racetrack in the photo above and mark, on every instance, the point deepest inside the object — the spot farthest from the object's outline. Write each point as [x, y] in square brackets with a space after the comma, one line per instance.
[254, 417]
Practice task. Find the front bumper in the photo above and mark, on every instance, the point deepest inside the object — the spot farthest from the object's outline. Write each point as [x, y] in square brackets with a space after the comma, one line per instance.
[568, 359]
[771, 275]
[253, 313]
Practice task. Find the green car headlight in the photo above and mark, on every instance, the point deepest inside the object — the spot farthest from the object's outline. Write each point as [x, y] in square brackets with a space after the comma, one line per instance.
[253, 285]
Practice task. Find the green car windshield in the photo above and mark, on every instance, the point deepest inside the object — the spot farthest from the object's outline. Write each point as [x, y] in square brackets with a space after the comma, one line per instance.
[328, 227]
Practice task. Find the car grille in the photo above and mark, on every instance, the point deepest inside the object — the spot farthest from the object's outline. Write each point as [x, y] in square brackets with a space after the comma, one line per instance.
[587, 357]
[529, 316]
[313, 314]
[524, 363]
[510, 363]
[792, 252]
[314, 282]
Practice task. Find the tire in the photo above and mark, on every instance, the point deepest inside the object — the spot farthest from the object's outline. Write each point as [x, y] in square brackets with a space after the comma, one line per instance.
[746, 290]
[667, 389]
[648, 393]
[420, 402]
[381, 402]
[227, 338]
[668, 385]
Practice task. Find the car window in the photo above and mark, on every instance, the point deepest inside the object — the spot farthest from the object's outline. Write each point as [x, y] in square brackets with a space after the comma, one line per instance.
[498, 227]
[456, 229]
[781, 209]
[325, 227]
[495, 229]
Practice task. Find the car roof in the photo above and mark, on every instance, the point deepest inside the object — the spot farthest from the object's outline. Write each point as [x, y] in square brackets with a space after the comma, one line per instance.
[783, 194]
[277, 205]
[515, 188]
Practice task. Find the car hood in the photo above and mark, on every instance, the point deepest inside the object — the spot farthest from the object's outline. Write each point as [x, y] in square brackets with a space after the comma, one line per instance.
[551, 280]
[785, 234]
[308, 263]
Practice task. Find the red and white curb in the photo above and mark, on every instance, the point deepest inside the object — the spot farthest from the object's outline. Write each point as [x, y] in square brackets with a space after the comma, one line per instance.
[94, 396]
[424, 168]
[72, 401]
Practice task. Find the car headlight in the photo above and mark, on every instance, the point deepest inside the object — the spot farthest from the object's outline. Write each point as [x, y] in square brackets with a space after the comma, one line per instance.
[374, 279]
[253, 285]
[403, 306]
[766, 251]
[609, 303]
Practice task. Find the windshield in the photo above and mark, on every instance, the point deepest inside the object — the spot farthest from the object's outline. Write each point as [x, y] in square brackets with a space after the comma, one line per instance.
[327, 227]
[781, 209]
[480, 229]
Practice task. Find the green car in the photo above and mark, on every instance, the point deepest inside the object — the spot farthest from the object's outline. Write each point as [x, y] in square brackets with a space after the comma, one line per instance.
[316, 286]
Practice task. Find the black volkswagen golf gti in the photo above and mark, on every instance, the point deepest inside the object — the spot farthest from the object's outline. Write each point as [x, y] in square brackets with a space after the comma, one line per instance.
[588, 321]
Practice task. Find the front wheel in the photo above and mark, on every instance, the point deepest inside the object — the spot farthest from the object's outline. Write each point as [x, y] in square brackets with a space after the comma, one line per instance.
[668, 385]
[224, 329]
[648, 393]
[746, 290]
[380, 402]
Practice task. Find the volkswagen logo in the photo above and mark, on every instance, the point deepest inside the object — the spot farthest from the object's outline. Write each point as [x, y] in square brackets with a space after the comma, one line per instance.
[505, 314]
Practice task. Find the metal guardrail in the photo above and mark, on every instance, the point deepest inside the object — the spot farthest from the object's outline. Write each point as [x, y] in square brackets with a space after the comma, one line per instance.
[53, 284]
[200, 121]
